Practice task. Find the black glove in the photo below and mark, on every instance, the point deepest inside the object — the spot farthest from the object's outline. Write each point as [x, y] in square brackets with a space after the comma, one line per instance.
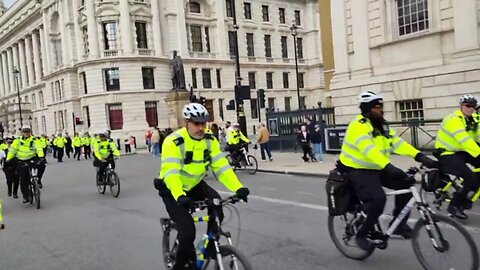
[395, 172]
[158, 184]
[426, 161]
[242, 193]
[255, 147]
[42, 161]
[186, 202]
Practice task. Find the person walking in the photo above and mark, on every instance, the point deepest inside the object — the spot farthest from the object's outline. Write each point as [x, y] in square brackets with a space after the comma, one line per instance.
[60, 143]
[148, 140]
[263, 139]
[68, 145]
[77, 145]
[9, 168]
[317, 143]
[127, 143]
[87, 141]
[155, 141]
[304, 140]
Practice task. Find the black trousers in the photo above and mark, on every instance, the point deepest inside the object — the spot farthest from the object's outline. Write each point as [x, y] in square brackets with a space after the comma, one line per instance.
[456, 164]
[60, 154]
[12, 179]
[307, 150]
[54, 148]
[127, 148]
[68, 150]
[102, 166]
[23, 172]
[368, 187]
[78, 151]
[86, 151]
[184, 221]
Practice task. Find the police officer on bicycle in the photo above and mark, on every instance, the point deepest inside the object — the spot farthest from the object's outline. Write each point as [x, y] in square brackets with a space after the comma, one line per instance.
[25, 149]
[104, 153]
[235, 141]
[186, 156]
[456, 145]
[365, 158]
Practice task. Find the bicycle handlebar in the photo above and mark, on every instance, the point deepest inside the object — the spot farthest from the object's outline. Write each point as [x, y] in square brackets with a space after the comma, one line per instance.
[202, 205]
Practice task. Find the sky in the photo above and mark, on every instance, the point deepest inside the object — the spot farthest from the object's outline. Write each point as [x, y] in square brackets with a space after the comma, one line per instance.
[8, 3]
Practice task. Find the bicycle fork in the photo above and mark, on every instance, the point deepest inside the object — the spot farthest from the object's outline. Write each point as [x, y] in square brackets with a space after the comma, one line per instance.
[428, 221]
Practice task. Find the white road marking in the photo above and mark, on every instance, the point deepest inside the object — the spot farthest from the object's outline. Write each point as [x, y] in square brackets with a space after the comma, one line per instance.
[325, 208]
[305, 193]
[268, 188]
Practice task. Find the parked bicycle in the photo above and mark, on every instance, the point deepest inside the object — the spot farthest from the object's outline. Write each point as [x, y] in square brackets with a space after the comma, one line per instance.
[226, 255]
[109, 178]
[439, 242]
[34, 183]
[242, 160]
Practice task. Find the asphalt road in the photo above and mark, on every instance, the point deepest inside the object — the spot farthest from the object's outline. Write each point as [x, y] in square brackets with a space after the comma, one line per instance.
[283, 227]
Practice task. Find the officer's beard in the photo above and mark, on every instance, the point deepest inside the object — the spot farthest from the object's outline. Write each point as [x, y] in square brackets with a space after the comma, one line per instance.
[377, 120]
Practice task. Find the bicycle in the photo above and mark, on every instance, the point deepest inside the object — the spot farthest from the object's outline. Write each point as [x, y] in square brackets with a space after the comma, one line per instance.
[34, 183]
[343, 228]
[242, 160]
[110, 178]
[226, 255]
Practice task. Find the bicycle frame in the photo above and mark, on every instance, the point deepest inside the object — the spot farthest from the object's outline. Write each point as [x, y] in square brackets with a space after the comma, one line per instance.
[457, 181]
[416, 199]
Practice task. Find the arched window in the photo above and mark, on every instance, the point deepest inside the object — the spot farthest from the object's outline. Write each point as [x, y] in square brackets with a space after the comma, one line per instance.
[194, 7]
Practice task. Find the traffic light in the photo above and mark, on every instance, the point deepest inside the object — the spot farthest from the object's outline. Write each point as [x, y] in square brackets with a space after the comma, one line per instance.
[261, 98]
[203, 100]
[231, 105]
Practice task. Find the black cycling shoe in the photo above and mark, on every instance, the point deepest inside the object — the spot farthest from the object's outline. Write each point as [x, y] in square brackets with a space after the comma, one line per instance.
[26, 200]
[15, 196]
[363, 243]
[456, 211]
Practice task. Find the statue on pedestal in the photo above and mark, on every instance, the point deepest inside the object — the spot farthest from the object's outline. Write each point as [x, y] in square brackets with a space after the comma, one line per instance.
[178, 79]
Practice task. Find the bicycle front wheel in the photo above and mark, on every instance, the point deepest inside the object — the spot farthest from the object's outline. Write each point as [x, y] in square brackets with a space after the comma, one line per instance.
[169, 246]
[251, 166]
[37, 193]
[445, 244]
[101, 187]
[114, 183]
[231, 258]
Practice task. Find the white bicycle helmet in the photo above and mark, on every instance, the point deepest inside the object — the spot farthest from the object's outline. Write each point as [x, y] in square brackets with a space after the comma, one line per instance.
[196, 112]
[367, 97]
[26, 128]
[468, 99]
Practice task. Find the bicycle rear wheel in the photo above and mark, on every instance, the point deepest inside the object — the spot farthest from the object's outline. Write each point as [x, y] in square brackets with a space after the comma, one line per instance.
[169, 246]
[342, 230]
[232, 258]
[251, 165]
[114, 183]
[37, 193]
[455, 249]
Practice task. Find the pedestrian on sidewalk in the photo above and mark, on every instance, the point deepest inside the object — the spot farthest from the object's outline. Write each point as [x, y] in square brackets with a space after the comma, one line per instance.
[155, 141]
[127, 143]
[263, 139]
[304, 139]
[317, 143]
[131, 141]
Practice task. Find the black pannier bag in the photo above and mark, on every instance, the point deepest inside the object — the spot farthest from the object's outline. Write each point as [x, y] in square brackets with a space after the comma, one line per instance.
[434, 180]
[340, 194]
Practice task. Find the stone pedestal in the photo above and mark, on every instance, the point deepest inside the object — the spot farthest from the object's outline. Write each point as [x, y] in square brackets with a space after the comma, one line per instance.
[176, 100]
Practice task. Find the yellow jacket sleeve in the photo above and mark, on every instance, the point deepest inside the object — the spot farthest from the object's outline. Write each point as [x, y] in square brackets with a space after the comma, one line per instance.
[114, 149]
[365, 144]
[96, 151]
[245, 139]
[38, 149]
[457, 128]
[222, 169]
[12, 151]
[171, 167]
[401, 147]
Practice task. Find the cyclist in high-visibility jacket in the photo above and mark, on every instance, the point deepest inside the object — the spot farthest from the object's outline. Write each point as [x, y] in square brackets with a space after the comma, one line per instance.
[365, 158]
[235, 141]
[186, 156]
[26, 148]
[77, 145]
[104, 153]
[456, 145]
[60, 143]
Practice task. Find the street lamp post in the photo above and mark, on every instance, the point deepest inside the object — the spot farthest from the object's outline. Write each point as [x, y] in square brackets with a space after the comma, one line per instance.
[294, 32]
[15, 74]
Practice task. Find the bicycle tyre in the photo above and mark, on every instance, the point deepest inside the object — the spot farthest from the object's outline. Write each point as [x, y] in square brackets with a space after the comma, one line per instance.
[37, 193]
[31, 196]
[114, 182]
[168, 253]
[227, 250]
[101, 187]
[453, 223]
[358, 255]
[230, 161]
[253, 167]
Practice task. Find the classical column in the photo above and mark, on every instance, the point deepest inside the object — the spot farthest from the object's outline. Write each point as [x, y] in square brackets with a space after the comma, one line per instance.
[47, 58]
[221, 30]
[126, 27]
[23, 63]
[29, 57]
[78, 34]
[36, 57]
[16, 62]
[64, 33]
[361, 48]
[181, 29]
[157, 39]
[465, 19]
[10, 69]
[2, 82]
[92, 29]
[6, 77]
[339, 34]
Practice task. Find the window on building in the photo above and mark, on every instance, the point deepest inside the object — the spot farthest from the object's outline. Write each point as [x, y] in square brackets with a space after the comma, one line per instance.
[250, 48]
[268, 45]
[231, 42]
[110, 35]
[58, 89]
[194, 78]
[86, 50]
[283, 41]
[269, 80]
[35, 125]
[196, 33]
[412, 16]
[55, 119]
[83, 82]
[148, 78]
[254, 108]
[251, 80]
[206, 78]
[207, 39]
[34, 101]
[194, 7]
[151, 113]
[220, 107]
[271, 104]
[229, 7]
[86, 114]
[41, 100]
[57, 50]
[297, 17]
[303, 105]
[285, 80]
[248, 10]
[61, 120]
[265, 15]
[301, 82]
[219, 78]
[287, 100]
[141, 29]
[300, 48]
[112, 79]
[281, 14]
[410, 109]
[115, 116]
[44, 124]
